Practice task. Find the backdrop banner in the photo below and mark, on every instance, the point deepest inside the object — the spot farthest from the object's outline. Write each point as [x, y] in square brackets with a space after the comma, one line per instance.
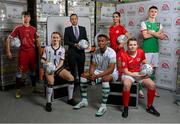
[168, 15]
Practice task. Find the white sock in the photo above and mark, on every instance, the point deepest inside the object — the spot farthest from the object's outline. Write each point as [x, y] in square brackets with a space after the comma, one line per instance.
[84, 100]
[49, 91]
[70, 91]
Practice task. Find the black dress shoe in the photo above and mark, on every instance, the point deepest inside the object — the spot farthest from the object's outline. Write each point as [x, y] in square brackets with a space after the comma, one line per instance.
[125, 112]
[153, 111]
[48, 107]
[71, 102]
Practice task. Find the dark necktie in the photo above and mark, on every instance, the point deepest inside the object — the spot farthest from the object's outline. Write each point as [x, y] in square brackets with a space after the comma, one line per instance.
[76, 32]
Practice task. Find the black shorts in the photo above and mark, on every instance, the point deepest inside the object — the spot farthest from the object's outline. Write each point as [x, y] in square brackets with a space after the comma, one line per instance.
[59, 70]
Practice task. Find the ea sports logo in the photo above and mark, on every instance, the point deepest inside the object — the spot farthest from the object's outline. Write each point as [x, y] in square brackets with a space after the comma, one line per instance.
[141, 10]
[177, 22]
[131, 23]
[176, 37]
[178, 51]
[165, 66]
[165, 7]
[176, 6]
[121, 11]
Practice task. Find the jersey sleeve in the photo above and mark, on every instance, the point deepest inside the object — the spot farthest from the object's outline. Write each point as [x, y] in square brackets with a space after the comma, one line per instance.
[63, 54]
[44, 56]
[143, 26]
[143, 55]
[124, 30]
[124, 61]
[113, 40]
[161, 27]
[112, 57]
[15, 31]
[93, 58]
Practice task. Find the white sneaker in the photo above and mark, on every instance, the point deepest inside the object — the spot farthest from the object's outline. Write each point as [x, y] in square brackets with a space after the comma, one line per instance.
[101, 111]
[81, 104]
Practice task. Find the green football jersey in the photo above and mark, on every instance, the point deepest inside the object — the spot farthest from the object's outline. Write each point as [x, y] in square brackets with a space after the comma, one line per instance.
[151, 45]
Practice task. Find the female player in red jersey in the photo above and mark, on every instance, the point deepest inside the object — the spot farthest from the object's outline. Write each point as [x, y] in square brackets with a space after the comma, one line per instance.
[114, 32]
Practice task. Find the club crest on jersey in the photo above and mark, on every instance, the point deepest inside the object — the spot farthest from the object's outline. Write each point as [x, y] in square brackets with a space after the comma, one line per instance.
[158, 24]
[59, 53]
[138, 59]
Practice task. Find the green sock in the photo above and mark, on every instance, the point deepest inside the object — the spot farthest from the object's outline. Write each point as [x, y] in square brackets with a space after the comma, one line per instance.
[153, 76]
[140, 86]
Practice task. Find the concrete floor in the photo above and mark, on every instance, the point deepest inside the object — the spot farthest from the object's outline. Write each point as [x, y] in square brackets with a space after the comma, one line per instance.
[30, 109]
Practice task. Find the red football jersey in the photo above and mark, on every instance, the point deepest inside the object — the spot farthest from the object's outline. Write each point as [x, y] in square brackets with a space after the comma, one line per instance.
[114, 32]
[133, 63]
[26, 36]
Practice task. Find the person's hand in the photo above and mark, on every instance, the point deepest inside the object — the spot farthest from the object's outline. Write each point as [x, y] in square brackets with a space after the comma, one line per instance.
[121, 45]
[164, 36]
[45, 64]
[136, 75]
[77, 45]
[92, 77]
[143, 76]
[37, 34]
[150, 32]
[9, 55]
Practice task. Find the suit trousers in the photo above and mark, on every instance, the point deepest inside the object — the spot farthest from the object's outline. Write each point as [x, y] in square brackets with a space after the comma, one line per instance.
[76, 59]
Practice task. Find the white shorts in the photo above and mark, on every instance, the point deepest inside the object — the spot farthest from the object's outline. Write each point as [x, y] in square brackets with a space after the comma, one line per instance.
[152, 58]
[114, 74]
[139, 80]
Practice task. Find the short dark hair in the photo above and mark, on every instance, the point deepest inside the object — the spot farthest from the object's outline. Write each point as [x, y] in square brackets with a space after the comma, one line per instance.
[153, 7]
[56, 33]
[118, 13]
[25, 13]
[132, 39]
[103, 35]
[73, 15]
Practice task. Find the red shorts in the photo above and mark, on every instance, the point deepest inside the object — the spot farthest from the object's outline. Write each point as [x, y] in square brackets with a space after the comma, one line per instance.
[27, 60]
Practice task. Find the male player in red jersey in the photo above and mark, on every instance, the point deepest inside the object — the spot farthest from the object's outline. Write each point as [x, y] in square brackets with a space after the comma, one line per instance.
[27, 54]
[132, 59]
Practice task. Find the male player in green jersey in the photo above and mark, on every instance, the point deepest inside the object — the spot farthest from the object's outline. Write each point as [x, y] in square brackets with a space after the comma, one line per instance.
[152, 31]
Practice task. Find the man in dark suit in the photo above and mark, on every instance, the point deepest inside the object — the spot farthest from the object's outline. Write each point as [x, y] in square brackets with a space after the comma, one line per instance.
[76, 56]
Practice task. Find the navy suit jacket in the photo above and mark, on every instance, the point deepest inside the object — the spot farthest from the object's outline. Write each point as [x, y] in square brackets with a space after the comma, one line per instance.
[70, 38]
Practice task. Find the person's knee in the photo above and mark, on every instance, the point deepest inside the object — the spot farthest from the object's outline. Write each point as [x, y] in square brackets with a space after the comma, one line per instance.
[126, 85]
[70, 78]
[82, 79]
[152, 86]
[50, 80]
[107, 78]
[50, 83]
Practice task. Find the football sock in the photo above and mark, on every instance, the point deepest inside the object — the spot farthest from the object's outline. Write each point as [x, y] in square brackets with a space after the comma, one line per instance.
[49, 92]
[126, 95]
[105, 92]
[84, 85]
[70, 91]
[150, 97]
